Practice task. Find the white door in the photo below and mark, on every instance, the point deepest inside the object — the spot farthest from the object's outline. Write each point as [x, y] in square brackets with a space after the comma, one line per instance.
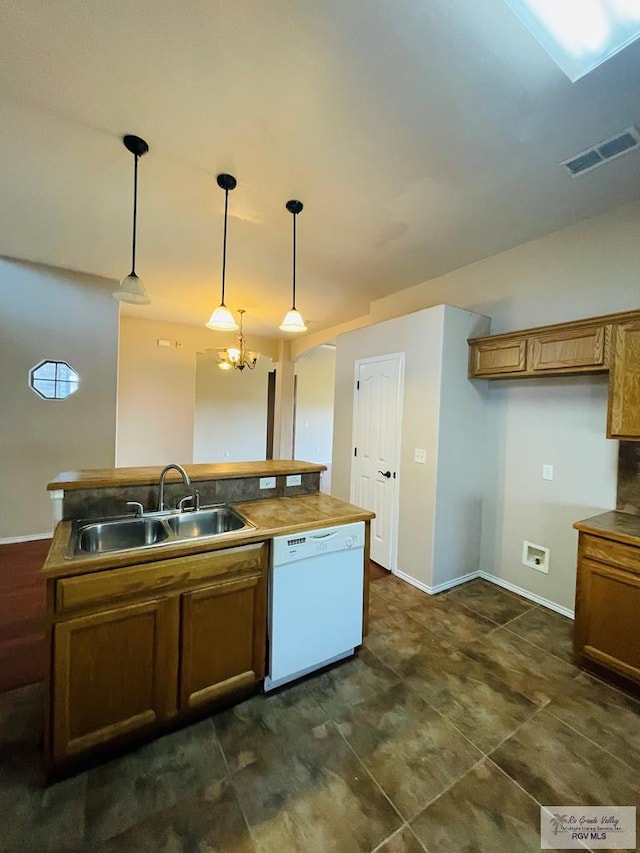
[377, 423]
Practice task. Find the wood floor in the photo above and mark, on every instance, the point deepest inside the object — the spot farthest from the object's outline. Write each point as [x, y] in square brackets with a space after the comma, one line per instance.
[22, 613]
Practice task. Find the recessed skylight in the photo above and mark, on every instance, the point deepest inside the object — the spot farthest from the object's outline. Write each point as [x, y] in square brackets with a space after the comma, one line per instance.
[579, 35]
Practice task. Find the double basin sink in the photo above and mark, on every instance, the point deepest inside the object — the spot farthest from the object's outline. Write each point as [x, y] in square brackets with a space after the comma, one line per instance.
[124, 534]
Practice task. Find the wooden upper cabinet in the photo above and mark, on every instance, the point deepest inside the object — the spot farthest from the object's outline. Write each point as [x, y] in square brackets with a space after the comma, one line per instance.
[623, 419]
[115, 674]
[497, 358]
[568, 351]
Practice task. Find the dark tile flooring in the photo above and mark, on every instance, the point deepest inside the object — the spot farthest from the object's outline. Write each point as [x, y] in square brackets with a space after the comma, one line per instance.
[461, 715]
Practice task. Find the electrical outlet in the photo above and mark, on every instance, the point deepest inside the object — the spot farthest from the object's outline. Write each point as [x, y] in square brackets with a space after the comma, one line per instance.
[294, 479]
[420, 455]
[547, 472]
[267, 482]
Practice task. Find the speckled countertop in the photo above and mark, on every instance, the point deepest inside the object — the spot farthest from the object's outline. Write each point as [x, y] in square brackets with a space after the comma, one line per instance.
[619, 526]
[275, 517]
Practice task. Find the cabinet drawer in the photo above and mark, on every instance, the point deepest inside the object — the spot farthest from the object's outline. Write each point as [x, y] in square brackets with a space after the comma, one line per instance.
[500, 357]
[614, 553]
[568, 350]
[149, 579]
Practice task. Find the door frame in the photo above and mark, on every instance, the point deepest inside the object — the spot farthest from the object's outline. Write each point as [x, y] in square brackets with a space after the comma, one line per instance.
[395, 521]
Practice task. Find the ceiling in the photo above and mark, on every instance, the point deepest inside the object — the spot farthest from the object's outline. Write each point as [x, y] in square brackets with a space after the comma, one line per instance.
[421, 135]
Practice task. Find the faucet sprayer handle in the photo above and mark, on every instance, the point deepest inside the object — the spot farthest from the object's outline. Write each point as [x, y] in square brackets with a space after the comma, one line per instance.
[193, 499]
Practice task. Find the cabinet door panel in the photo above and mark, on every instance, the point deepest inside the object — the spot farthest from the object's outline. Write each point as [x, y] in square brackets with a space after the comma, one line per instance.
[115, 673]
[623, 419]
[222, 639]
[568, 350]
[608, 615]
[497, 358]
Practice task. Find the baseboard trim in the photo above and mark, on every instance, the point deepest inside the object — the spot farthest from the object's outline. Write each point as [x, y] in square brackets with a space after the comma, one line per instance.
[537, 599]
[12, 540]
[440, 587]
[510, 587]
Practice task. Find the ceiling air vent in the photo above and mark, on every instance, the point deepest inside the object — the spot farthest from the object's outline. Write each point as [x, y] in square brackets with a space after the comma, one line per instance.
[599, 153]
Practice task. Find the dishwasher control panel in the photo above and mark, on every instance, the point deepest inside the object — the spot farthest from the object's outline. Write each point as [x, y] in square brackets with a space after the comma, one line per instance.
[326, 540]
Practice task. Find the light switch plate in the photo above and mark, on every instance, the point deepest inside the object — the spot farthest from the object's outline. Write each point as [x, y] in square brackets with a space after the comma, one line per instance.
[294, 479]
[267, 482]
[547, 472]
[420, 455]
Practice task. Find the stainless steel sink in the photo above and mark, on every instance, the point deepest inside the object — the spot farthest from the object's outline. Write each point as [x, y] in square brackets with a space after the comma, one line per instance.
[207, 522]
[120, 535]
[125, 534]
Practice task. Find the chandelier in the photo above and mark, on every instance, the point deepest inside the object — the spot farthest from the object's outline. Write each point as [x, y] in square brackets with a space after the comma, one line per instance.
[237, 357]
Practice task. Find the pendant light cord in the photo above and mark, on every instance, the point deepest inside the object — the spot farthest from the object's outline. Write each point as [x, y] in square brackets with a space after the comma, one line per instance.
[294, 262]
[135, 213]
[224, 242]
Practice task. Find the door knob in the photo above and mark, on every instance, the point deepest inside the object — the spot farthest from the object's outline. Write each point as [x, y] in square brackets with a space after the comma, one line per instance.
[386, 474]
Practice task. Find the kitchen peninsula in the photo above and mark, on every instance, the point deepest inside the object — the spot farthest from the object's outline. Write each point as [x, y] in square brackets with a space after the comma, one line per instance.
[144, 638]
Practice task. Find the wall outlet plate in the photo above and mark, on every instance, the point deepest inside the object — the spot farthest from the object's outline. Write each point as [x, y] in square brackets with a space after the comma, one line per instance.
[267, 482]
[420, 455]
[294, 479]
[547, 472]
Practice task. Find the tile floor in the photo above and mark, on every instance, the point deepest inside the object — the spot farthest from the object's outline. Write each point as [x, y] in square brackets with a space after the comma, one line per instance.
[462, 714]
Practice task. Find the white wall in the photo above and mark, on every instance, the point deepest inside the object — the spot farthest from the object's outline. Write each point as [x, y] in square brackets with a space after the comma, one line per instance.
[432, 548]
[64, 316]
[157, 388]
[464, 453]
[315, 373]
[588, 269]
[230, 412]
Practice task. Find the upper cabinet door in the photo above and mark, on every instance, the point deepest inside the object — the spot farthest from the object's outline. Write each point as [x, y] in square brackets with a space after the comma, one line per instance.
[569, 350]
[624, 383]
[496, 358]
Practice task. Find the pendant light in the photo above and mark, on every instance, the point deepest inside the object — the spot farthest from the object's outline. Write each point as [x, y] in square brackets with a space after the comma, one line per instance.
[293, 321]
[131, 289]
[222, 319]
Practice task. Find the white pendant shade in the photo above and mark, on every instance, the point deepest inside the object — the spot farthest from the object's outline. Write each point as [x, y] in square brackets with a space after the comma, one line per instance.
[132, 290]
[222, 320]
[293, 322]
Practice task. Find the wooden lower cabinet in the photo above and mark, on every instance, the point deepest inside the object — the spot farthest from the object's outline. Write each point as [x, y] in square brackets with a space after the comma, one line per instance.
[126, 669]
[607, 620]
[220, 648]
[115, 674]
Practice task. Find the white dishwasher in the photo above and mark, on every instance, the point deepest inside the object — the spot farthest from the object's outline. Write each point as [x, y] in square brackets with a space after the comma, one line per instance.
[315, 600]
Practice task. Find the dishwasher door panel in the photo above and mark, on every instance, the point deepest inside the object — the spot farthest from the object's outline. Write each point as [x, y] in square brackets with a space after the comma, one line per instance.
[316, 611]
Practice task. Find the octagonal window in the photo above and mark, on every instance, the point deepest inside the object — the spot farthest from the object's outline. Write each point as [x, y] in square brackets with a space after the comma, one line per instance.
[53, 380]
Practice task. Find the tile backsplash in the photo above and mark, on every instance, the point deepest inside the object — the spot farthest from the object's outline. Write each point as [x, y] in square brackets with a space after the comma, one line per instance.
[629, 477]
